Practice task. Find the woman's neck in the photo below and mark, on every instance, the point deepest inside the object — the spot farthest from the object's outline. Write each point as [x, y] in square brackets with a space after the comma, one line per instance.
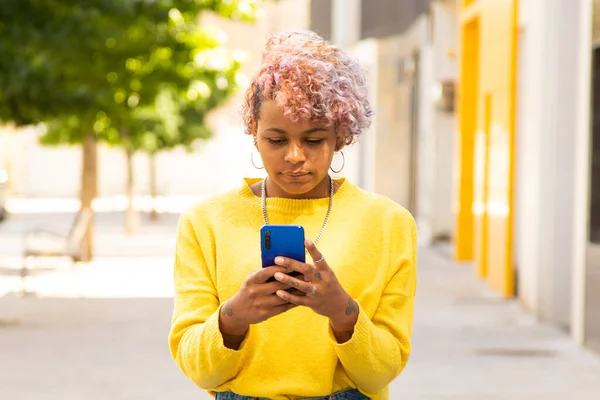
[273, 190]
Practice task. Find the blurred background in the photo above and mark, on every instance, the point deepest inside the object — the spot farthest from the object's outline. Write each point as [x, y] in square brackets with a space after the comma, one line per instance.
[117, 115]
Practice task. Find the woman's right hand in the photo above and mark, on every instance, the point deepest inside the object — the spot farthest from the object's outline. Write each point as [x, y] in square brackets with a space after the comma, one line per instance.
[255, 302]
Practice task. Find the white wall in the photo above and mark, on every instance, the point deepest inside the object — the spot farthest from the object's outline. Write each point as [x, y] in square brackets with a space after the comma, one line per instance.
[216, 165]
[547, 100]
[569, 18]
[527, 168]
[427, 161]
[435, 147]
[529, 137]
[55, 171]
[384, 154]
[392, 162]
[445, 68]
[360, 157]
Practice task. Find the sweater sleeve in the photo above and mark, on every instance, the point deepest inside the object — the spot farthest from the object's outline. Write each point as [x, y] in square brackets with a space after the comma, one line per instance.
[380, 346]
[195, 340]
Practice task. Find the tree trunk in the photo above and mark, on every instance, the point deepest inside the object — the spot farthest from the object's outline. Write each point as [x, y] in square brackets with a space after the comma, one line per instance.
[132, 220]
[9, 161]
[89, 190]
[153, 191]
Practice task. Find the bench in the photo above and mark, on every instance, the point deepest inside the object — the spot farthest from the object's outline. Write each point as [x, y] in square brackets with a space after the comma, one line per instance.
[45, 243]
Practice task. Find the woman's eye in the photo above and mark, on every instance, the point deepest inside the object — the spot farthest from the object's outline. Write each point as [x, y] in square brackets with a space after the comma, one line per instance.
[314, 141]
[275, 141]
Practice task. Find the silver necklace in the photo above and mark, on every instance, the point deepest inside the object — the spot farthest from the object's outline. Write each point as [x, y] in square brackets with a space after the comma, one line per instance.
[263, 204]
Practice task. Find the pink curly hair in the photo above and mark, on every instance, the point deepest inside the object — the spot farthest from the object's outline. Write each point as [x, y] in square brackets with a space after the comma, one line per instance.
[312, 81]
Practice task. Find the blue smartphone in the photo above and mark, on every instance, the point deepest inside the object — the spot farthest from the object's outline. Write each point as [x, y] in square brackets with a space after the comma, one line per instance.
[282, 240]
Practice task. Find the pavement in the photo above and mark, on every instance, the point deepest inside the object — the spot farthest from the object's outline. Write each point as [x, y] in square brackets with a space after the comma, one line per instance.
[100, 331]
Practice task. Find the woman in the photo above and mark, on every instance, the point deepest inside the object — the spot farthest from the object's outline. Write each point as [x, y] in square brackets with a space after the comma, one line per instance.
[343, 332]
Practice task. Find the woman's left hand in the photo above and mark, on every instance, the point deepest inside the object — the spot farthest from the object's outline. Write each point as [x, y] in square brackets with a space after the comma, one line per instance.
[324, 293]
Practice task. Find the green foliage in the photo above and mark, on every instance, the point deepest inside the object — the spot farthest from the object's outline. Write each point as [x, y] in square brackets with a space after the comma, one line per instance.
[137, 73]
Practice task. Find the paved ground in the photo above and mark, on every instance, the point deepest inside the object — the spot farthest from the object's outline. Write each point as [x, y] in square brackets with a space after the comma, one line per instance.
[468, 344]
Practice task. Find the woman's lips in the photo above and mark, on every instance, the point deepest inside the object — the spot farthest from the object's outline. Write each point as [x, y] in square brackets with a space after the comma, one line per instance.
[296, 176]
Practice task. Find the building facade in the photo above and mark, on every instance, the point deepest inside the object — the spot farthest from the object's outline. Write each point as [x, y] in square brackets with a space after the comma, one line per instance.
[528, 179]
[409, 51]
[513, 176]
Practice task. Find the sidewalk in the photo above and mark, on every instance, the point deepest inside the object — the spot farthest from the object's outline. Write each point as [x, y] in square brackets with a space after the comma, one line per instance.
[468, 344]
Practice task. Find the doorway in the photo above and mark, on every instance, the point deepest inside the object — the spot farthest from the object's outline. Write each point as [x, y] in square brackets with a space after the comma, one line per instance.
[592, 278]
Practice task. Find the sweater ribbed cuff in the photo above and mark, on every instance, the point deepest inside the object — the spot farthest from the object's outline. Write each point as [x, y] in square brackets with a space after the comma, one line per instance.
[359, 336]
[213, 331]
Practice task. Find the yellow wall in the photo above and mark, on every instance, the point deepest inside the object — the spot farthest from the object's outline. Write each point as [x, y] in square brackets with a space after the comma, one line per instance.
[467, 116]
[487, 124]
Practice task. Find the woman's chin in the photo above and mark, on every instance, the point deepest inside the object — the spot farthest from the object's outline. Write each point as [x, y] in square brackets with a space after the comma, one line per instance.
[296, 185]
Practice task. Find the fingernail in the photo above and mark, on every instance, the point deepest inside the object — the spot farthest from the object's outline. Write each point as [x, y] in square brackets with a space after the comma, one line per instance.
[278, 276]
[278, 260]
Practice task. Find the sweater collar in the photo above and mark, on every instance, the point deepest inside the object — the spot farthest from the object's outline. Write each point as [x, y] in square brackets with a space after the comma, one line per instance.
[295, 206]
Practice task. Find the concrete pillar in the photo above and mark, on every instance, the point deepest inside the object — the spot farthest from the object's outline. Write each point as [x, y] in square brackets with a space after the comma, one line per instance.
[528, 137]
[443, 132]
[345, 24]
[547, 109]
[426, 161]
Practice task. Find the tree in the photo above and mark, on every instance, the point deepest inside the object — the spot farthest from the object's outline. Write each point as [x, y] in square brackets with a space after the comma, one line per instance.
[175, 120]
[185, 92]
[94, 69]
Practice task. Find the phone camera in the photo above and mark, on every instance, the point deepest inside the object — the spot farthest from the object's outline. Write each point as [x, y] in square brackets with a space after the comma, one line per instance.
[268, 240]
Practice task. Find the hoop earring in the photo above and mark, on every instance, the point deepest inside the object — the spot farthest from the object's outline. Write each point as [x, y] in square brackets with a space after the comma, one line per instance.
[252, 160]
[343, 164]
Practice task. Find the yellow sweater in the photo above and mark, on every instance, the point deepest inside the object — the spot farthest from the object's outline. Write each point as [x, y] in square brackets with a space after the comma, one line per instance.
[370, 243]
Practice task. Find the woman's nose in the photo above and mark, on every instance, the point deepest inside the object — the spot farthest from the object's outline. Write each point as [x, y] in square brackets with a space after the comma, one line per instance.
[294, 154]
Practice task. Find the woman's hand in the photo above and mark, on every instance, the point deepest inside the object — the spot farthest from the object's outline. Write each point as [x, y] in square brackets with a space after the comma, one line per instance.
[255, 302]
[324, 293]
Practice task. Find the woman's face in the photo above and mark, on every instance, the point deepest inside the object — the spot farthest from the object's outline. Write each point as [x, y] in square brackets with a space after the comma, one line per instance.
[296, 156]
